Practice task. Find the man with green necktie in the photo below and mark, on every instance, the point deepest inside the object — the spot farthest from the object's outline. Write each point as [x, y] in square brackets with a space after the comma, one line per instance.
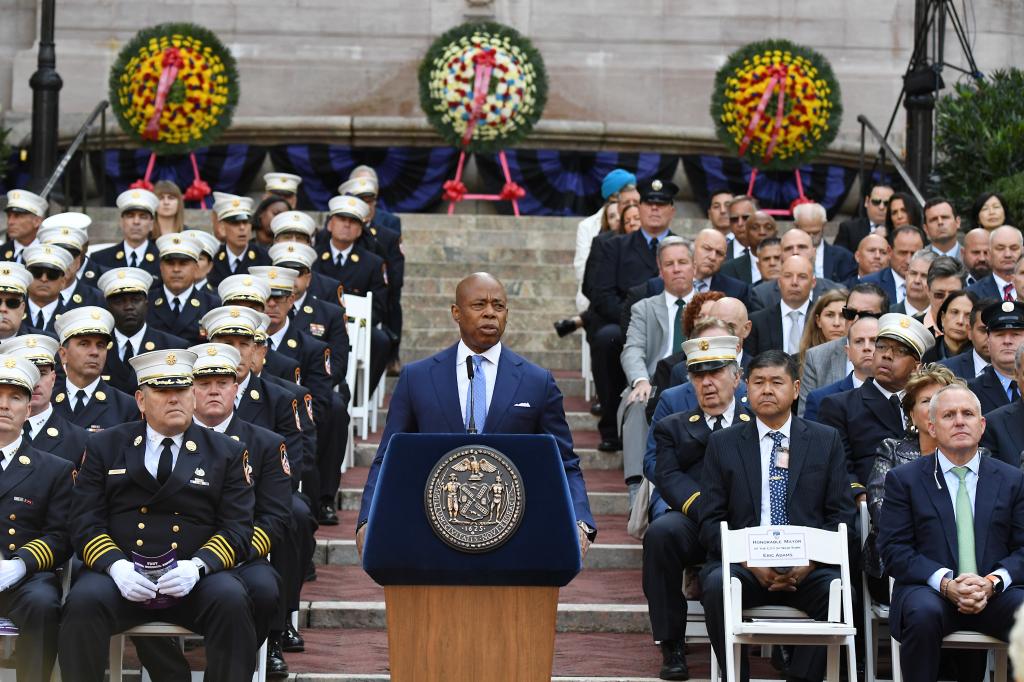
[951, 533]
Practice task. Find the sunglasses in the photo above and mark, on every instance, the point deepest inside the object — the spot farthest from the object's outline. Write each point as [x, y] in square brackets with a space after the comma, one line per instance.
[12, 302]
[878, 202]
[851, 314]
[737, 218]
[46, 274]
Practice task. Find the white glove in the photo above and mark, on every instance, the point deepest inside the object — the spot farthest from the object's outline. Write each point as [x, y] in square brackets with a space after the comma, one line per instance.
[133, 585]
[11, 571]
[180, 580]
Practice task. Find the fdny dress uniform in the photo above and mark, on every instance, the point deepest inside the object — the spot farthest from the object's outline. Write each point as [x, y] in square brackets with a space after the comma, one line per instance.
[22, 202]
[47, 430]
[56, 262]
[145, 255]
[35, 492]
[203, 511]
[70, 232]
[104, 406]
[235, 209]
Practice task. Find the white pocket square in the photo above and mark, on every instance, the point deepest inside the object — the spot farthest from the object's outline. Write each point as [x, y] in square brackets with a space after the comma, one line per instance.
[521, 405]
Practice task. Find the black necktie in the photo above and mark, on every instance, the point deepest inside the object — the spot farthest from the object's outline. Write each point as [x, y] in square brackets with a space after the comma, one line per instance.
[654, 246]
[128, 351]
[718, 423]
[175, 306]
[26, 430]
[340, 260]
[163, 469]
[894, 400]
[79, 401]
[270, 343]
[291, 313]
[40, 320]
[1014, 393]
[133, 261]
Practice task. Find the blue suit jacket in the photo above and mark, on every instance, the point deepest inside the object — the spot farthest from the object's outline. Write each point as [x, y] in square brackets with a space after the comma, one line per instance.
[989, 390]
[962, 365]
[730, 286]
[884, 279]
[426, 400]
[917, 528]
[837, 264]
[986, 287]
[815, 397]
[682, 398]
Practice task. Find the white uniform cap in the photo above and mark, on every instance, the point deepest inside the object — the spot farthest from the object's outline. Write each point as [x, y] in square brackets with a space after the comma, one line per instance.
[17, 371]
[71, 220]
[359, 187]
[164, 368]
[293, 221]
[234, 320]
[215, 359]
[177, 244]
[244, 287]
[282, 182]
[208, 244]
[14, 277]
[906, 330]
[138, 200]
[233, 208]
[281, 280]
[84, 321]
[709, 352]
[39, 349]
[125, 281]
[349, 206]
[47, 255]
[261, 329]
[65, 237]
[290, 254]
[21, 201]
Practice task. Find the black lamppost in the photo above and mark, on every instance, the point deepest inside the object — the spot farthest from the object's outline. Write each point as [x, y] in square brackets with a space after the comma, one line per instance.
[46, 84]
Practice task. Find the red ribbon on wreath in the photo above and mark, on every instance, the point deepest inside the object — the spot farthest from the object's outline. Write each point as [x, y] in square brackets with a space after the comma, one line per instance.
[778, 75]
[454, 191]
[512, 192]
[483, 63]
[172, 61]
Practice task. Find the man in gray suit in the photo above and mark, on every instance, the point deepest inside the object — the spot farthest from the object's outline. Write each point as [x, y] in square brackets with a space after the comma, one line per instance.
[829, 362]
[655, 331]
[794, 243]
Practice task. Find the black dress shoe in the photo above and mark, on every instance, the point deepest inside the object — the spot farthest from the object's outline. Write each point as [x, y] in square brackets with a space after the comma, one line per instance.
[291, 640]
[327, 515]
[595, 408]
[277, 669]
[673, 662]
[565, 327]
[610, 445]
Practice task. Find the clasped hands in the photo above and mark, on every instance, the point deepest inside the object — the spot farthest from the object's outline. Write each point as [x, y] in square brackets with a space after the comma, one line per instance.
[968, 592]
[773, 581]
[134, 586]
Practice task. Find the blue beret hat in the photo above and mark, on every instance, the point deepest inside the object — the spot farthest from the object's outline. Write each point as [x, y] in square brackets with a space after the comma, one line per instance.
[615, 181]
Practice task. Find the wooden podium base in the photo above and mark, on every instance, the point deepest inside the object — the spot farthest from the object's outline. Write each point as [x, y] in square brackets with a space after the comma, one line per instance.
[467, 634]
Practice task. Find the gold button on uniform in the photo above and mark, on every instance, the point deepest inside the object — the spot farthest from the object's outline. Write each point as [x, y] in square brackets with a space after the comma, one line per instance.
[12, 517]
[12, 547]
[174, 545]
[144, 510]
[10, 531]
[175, 528]
[138, 543]
[142, 526]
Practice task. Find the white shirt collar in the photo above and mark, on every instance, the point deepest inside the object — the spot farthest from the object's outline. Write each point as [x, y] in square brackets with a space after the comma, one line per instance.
[278, 336]
[887, 393]
[8, 452]
[89, 390]
[819, 260]
[979, 362]
[763, 429]
[242, 385]
[219, 428]
[48, 310]
[36, 423]
[1000, 283]
[946, 465]
[67, 292]
[335, 252]
[140, 252]
[492, 354]
[299, 301]
[730, 409]
[156, 440]
[857, 383]
[897, 279]
[786, 310]
[182, 297]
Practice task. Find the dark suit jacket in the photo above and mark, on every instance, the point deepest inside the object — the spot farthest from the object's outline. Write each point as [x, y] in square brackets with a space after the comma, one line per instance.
[731, 481]
[1004, 433]
[986, 287]
[314, 358]
[884, 279]
[815, 397]
[738, 269]
[326, 288]
[325, 321]
[765, 330]
[917, 528]
[863, 418]
[185, 324]
[254, 255]
[91, 270]
[85, 294]
[961, 365]
[989, 390]
[595, 259]
[680, 440]
[362, 272]
[765, 294]
[282, 366]
[121, 375]
[114, 257]
[625, 261]
[851, 232]
[426, 401]
[62, 438]
[838, 264]
[730, 286]
[274, 408]
[388, 245]
[108, 407]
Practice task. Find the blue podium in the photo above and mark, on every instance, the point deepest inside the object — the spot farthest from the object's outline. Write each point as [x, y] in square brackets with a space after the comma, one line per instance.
[471, 537]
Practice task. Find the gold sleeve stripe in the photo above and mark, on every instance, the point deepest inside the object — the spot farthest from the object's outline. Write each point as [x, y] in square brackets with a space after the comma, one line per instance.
[46, 550]
[96, 539]
[856, 485]
[218, 553]
[35, 555]
[223, 544]
[40, 547]
[98, 546]
[261, 540]
[100, 551]
[689, 501]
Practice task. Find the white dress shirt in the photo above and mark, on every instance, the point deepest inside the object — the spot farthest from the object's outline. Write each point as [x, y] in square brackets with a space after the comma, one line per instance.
[277, 338]
[36, 423]
[136, 341]
[911, 310]
[233, 260]
[182, 298]
[786, 310]
[670, 303]
[489, 367]
[219, 428]
[154, 446]
[242, 385]
[819, 261]
[979, 362]
[48, 310]
[952, 486]
[7, 454]
[737, 248]
[1001, 284]
[766, 444]
[73, 391]
[726, 416]
[139, 251]
[335, 252]
[901, 286]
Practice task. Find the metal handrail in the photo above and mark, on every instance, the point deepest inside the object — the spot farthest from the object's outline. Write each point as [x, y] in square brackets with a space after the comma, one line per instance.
[75, 144]
[886, 150]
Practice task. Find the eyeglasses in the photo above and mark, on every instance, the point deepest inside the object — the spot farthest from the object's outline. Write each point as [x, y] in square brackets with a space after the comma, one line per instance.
[851, 314]
[878, 202]
[737, 218]
[12, 303]
[47, 274]
[897, 350]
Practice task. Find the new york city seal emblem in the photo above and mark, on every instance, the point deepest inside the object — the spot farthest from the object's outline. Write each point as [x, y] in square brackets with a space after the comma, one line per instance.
[474, 498]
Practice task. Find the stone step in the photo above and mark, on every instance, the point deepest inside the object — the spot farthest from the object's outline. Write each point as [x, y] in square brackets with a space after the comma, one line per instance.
[552, 359]
[556, 307]
[523, 340]
[489, 254]
[537, 321]
[506, 272]
[444, 285]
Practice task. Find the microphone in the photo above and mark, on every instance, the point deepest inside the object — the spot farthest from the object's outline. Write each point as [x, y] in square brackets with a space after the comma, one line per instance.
[469, 372]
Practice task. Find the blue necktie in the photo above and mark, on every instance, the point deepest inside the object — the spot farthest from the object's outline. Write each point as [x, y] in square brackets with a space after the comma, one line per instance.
[778, 480]
[478, 391]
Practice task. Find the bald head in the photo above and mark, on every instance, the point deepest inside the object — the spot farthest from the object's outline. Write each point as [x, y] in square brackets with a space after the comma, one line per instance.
[975, 253]
[480, 310]
[708, 253]
[797, 243]
[796, 281]
[1004, 248]
[470, 284]
[872, 254]
[733, 311]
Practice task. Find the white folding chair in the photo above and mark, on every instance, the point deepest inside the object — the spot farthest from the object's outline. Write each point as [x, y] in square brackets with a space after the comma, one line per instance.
[585, 368]
[782, 624]
[876, 616]
[157, 629]
[961, 639]
[359, 311]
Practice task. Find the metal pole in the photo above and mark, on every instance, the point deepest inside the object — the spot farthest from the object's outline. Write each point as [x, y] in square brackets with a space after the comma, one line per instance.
[46, 84]
[920, 109]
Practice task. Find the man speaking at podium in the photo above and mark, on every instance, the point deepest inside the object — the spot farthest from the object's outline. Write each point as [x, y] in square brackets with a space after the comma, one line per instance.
[479, 386]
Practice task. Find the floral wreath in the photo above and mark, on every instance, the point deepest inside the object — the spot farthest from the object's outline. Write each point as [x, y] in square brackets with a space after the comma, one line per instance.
[174, 87]
[483, 86]
[777, 104]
